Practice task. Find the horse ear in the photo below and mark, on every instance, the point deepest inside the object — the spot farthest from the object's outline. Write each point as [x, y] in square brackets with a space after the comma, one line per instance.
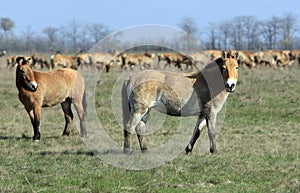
[224, 54]
[234, 54]
[230, 54]
[20, 60]
[28, 60]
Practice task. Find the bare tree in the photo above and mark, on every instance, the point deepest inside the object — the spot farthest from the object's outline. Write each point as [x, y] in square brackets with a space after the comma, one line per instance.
[212, 36]
[251, 27]
[73, 32]
[52, 36]
[237, 32]
[29, 37]
[97, 31]
[189, 25]
[270, 31]
[288, 30]
[224, 33]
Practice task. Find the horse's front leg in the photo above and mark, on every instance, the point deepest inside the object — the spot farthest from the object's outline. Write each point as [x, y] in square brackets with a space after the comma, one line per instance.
[212, 133]
[197, 131]
[35, 117]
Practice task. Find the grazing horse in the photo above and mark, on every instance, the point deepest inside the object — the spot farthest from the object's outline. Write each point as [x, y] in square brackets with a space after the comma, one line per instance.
[45, 89]
[200, 93]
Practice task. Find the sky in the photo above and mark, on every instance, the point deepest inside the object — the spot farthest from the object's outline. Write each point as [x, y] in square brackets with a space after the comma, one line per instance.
[39, 14]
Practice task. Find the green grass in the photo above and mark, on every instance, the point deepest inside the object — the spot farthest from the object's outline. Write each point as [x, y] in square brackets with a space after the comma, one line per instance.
[258, 146]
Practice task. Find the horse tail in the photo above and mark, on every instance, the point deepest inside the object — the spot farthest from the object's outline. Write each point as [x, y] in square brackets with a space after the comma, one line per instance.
[125, 103]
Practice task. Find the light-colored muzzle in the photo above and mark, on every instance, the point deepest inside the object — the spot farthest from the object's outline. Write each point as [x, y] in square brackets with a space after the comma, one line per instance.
[32, 86]
[230, 84]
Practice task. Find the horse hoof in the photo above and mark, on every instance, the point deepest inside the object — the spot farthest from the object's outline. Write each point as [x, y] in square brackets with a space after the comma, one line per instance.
[83, 135]
[36, 140]
[213, 151]
[145, 151]
[66, 134]
[188, 149]
[126, 151]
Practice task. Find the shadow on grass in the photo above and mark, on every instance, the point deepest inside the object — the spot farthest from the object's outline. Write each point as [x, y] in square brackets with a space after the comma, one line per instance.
[13, 137]
[44, 153]
[67, 152]
[25, 137]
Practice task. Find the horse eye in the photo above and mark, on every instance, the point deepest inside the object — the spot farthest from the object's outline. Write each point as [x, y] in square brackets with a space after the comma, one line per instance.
[237, 68]
[223, 68]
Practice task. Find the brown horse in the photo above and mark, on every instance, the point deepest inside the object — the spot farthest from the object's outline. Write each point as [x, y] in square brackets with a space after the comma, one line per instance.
[45, 89]
[201, 94]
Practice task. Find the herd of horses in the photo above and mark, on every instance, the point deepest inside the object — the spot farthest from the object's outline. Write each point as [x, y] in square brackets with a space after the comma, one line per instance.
[199, 93]
[147, 60]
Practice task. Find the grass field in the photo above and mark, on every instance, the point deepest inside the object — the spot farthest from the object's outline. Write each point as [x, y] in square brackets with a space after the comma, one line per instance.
[258, 146]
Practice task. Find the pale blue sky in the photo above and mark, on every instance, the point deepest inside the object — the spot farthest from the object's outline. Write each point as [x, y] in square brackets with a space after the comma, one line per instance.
[122, 14]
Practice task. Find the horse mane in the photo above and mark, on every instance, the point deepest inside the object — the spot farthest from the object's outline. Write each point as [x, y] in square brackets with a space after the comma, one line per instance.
[209, 67]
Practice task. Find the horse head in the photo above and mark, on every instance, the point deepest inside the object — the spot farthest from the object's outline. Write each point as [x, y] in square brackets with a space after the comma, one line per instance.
[25, 74]
[229, 69]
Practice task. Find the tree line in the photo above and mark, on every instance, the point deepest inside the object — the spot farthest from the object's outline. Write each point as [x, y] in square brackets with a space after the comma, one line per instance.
[249, 33]
[241, 33]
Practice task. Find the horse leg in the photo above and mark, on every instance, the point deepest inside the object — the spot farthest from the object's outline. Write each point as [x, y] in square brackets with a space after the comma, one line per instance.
[66, 106]
[80, 106]
[211, 124]
[35, 115]
[135, 122]
[140, 130]
[197, 131]
[127, 122]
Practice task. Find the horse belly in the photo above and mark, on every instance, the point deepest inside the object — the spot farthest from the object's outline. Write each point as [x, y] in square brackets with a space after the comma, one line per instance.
[54, 99]
[177, 107]
[167, 108]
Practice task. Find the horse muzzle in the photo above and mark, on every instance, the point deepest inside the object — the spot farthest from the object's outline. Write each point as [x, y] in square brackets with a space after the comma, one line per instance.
[32, 86]
[230, 85]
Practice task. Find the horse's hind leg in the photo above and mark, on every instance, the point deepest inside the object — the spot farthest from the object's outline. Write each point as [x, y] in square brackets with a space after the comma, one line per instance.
[141, 121]
[66, 106]
[136, 122]
[127, 122]
[80, 105]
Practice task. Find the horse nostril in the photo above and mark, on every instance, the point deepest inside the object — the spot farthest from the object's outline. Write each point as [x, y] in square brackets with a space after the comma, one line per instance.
[227, 85]
[230, 87]
[33, 86]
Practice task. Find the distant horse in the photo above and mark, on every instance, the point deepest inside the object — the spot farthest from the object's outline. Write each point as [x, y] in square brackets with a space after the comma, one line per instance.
[201, 94]
[45, 89]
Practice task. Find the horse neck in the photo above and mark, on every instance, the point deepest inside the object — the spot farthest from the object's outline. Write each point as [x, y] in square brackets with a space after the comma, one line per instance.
[218, 101]
[212, 81]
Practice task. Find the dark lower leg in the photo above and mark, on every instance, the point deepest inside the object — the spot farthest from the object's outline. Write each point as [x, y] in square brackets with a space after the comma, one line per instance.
[142, 144]
[37, 135]
[69, 119]
[126, 141]
[190, 146]
[66, 106]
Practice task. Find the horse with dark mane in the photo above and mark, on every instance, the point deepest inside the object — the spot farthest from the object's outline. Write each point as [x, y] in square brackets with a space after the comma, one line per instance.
[200, 93]
[46, 89]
